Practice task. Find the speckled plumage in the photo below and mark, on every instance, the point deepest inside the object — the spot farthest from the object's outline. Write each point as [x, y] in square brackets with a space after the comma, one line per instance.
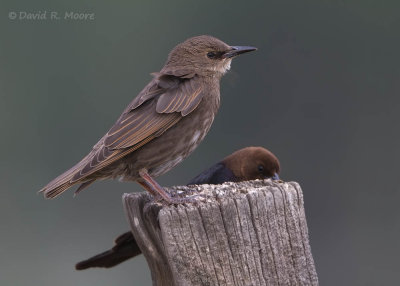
[163, 124]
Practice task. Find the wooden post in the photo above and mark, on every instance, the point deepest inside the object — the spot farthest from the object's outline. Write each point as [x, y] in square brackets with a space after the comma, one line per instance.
[248, 233]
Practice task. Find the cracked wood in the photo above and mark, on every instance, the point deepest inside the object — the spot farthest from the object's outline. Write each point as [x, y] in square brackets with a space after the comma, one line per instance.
[248, 233]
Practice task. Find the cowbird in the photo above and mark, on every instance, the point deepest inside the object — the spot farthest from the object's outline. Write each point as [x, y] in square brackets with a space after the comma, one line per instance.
[246, 164]
[163, 124]
[125, 248]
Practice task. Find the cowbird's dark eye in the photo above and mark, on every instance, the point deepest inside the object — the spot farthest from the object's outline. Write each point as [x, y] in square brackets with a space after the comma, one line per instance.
[261, 168]
[211, 55]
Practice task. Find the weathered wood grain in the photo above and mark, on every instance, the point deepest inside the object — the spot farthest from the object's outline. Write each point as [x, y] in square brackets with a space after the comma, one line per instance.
[248, 233]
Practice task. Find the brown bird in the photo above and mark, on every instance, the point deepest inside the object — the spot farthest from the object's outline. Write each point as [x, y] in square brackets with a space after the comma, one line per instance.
[246, 164]
[163, 124]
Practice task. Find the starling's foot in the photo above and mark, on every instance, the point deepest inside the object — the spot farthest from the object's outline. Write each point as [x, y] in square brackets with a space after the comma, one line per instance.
[173, 201]
[176, 199]
[160, 195]
[185, 200]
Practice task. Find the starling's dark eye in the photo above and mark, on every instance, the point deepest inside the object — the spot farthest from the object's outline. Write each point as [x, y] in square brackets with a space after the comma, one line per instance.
[211, 55]
[261, 168]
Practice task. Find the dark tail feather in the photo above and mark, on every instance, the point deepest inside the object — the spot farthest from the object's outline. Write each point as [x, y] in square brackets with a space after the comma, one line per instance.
[125, 248]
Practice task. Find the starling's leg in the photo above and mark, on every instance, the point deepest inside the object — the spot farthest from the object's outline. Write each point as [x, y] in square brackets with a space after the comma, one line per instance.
[145, 185]
[150, 185]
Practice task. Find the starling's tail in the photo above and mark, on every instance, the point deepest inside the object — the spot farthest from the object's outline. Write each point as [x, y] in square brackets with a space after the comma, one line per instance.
[52, 192]
[64, 182]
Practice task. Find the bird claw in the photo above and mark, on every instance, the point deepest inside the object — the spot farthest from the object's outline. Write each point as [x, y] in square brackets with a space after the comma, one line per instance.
[175, 200]
[185, 200]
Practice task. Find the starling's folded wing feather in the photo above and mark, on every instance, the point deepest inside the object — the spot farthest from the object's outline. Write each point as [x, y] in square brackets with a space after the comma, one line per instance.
[183, 99]
[144, 123]
[151, 113]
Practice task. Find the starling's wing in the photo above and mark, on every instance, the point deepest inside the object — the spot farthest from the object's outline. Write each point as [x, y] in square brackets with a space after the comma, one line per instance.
[155, 110]
[124, 249]
[183, 99]
[144, 123]
[216, 174]
[154, 117]
[164, 80]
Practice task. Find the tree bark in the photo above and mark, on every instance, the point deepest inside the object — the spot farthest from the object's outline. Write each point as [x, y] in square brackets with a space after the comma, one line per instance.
[248, 233]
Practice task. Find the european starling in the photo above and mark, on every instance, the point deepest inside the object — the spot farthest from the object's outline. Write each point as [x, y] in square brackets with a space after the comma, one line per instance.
[246, 164]
[163, 124]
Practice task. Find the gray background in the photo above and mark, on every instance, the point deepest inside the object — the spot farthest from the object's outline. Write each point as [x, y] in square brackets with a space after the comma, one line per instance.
[322, 92]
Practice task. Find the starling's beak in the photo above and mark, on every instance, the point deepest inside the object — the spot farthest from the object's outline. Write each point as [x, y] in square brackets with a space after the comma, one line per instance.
[237, 50]
[275, 177]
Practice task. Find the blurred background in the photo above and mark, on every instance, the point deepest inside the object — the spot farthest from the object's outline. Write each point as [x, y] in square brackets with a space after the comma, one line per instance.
[322, 92]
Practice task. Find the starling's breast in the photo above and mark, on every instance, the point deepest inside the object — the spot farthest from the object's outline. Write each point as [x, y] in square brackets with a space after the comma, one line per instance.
[169, 149]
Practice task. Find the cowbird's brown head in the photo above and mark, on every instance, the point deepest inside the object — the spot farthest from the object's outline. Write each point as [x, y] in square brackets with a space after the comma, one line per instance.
[253, 163]
[203, 55]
